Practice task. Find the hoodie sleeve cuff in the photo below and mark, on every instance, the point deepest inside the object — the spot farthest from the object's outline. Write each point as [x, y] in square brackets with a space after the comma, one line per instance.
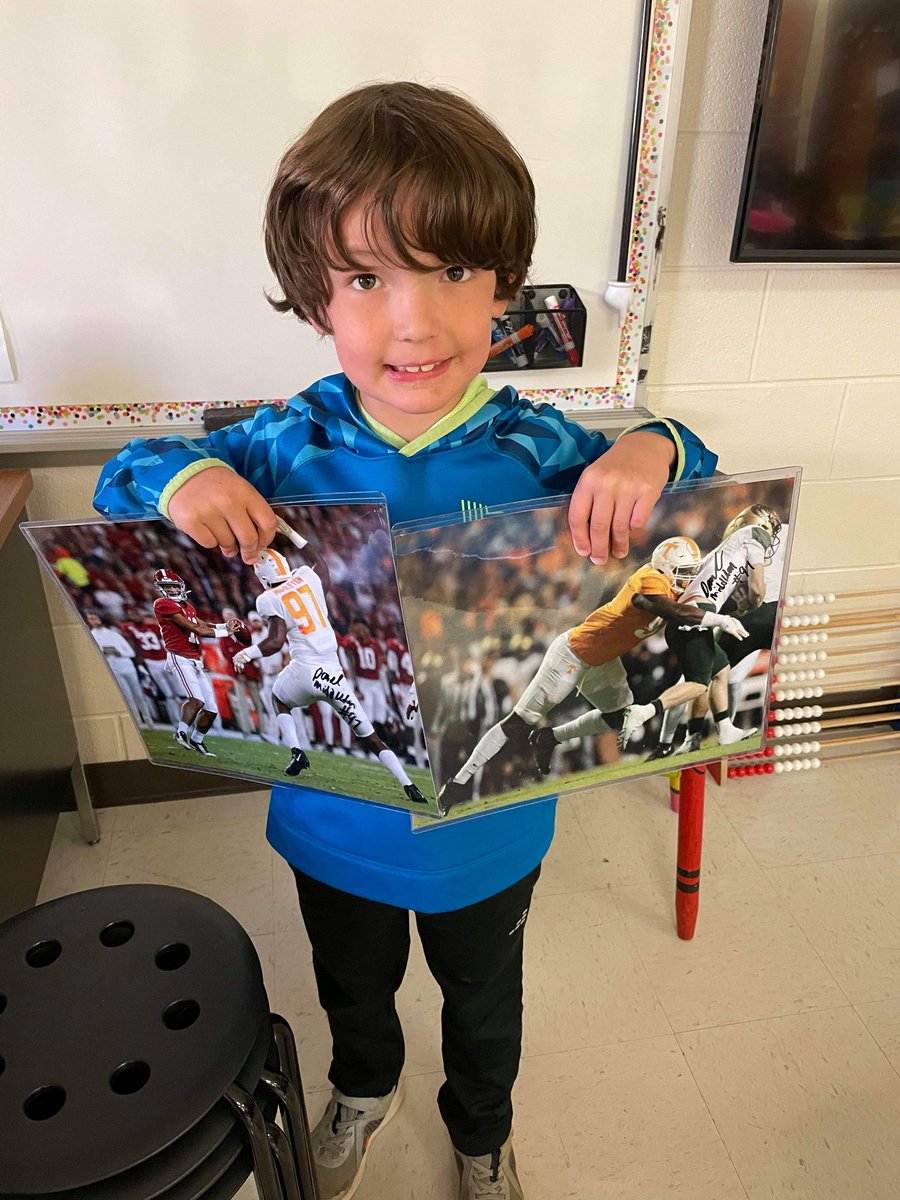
[666, 429]
[183, 476]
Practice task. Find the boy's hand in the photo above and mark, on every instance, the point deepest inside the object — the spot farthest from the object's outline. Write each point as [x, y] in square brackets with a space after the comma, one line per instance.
[617, 493]
[217, 507]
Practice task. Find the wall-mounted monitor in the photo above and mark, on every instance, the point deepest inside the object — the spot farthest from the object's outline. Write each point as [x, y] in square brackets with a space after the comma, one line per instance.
[822, 176]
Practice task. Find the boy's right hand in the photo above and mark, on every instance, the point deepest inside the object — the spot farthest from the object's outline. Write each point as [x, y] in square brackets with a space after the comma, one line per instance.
[218, 507]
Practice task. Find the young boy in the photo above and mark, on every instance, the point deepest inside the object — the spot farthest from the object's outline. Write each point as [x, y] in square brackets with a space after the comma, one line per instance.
[399, 224]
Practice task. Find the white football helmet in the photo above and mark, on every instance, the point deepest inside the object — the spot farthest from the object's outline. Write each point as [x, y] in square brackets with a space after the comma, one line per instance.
[272, 568]
[761, 515]
[679, 559]
[169, 584]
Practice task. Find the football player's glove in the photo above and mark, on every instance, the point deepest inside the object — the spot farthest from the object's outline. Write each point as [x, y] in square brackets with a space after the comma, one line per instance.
[762, 515]
[272, 568]
[244, 656]
[679, 559]
[169, 584]
[726, 624]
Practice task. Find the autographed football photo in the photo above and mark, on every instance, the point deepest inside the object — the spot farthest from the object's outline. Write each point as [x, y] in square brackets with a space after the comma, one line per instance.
[538, 672]
[294, 670]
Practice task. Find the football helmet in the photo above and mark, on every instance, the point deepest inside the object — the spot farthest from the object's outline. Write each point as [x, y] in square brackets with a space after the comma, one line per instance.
[679, 559]
[271, 568]
[757, 514]
[169, 584]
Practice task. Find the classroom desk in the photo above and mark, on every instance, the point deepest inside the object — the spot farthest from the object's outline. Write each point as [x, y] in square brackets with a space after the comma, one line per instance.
[39, 764]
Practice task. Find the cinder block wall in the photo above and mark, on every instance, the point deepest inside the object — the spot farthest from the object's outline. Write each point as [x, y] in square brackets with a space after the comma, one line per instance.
[783, 365]
[774, 367]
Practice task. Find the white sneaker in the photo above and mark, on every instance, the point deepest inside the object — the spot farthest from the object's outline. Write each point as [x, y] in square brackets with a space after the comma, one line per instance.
[729, 733]
[489, 1176]
[636, 715]
[342, 1136]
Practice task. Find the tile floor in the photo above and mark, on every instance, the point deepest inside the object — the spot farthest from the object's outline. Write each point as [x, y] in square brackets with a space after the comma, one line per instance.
[761, 1060]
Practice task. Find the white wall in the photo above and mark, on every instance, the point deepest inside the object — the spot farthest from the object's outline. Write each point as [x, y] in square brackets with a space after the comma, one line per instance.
[782, 365]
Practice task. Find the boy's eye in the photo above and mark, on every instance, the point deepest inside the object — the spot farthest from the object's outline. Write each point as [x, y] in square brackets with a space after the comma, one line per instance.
[364, 283]
[458, 274]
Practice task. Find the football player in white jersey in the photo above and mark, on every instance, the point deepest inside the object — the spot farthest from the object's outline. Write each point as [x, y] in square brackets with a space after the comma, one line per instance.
[120, 655]
[738, 564]
[760, 624]
[297, 613]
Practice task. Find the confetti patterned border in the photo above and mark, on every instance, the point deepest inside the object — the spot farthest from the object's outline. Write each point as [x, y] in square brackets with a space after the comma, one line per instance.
[620, 395]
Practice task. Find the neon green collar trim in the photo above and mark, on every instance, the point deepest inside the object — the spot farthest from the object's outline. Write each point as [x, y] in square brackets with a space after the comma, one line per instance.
[474, 397]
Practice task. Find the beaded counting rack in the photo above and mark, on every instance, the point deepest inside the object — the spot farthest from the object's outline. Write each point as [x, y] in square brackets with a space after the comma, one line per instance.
[851, 709]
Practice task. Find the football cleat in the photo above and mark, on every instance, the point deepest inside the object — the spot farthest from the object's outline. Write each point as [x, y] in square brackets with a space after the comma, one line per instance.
[271, 568]
[201, 749]
[168, 584]
[542, 743]
[691, 743]
[729, 733]
[663, 750]
[299, 762]
[413, 793]
[636, 715]
[182, 739]
[678, 559]
[451, 793]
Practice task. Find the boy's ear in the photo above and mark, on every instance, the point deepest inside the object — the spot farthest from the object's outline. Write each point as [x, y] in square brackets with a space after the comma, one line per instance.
[498, 308]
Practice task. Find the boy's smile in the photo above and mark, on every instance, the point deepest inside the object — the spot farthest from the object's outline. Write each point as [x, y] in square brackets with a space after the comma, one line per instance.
[410, 341]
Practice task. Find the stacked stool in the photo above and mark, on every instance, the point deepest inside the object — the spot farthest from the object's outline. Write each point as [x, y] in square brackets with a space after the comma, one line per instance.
[138, 1056]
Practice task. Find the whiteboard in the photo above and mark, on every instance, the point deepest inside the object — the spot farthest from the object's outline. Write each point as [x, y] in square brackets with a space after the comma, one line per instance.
[139, 138]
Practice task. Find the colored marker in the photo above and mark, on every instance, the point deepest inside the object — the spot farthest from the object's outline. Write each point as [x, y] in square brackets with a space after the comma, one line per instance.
[546, 323]
[562, 329]
[511, 339]
[500, 330]
[543, 340]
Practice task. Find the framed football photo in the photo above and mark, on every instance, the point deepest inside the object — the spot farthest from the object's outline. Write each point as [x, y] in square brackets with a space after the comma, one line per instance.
[539, 673]
[293, 670]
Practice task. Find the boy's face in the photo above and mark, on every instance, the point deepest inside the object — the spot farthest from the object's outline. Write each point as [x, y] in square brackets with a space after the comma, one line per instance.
[390, 318]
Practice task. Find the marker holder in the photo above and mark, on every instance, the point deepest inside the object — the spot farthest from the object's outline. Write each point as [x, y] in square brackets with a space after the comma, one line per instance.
[556, 338]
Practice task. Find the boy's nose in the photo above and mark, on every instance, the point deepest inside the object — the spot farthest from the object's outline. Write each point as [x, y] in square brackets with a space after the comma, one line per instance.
[415, 316]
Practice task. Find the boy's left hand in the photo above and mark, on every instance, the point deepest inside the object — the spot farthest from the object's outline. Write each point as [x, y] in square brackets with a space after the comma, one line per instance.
[617, 493]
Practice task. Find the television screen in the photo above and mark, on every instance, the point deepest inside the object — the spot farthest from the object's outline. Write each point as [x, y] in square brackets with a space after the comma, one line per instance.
[822, 176]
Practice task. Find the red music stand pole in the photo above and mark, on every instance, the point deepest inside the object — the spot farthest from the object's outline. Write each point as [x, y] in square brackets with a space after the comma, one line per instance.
[690, 843]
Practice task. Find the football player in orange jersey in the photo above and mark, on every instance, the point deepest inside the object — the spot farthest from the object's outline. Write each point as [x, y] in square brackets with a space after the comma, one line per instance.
[587, 659]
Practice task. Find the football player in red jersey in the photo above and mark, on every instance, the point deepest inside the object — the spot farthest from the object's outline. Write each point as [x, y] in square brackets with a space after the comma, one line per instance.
[368, 672]
[399, 668]
[249, 702]
[181, 631]
[144, 632]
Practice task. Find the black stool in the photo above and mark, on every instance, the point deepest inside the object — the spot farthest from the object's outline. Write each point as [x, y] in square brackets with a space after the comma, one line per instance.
[138, 1057]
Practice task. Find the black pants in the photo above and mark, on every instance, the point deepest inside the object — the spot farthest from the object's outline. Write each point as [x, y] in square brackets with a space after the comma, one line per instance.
[760, 624]
[360, 951]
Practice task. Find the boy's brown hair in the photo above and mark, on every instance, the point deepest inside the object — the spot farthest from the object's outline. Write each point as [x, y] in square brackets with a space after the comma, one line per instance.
[434, 176]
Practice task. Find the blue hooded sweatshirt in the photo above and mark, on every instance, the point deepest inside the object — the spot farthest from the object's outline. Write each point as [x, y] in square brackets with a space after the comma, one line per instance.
[318, 444]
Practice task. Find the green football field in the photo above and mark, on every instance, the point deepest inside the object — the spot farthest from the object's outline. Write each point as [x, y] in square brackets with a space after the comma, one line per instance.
[331, 773]
[627, 768]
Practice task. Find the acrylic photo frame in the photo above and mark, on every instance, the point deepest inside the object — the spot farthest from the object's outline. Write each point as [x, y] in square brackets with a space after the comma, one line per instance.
[485, 596]
[105, 570]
